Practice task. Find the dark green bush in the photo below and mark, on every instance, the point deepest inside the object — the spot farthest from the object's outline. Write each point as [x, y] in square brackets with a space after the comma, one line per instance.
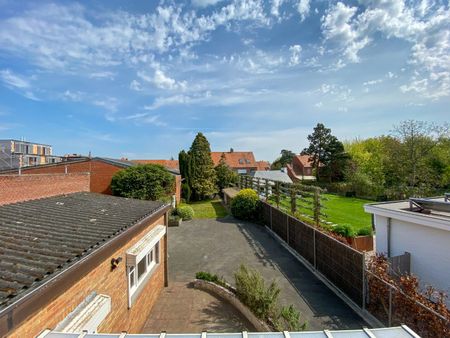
[186, 192]
[246, 205]
[146, 182]
[344, 230]
[364, 232]
[185, 212]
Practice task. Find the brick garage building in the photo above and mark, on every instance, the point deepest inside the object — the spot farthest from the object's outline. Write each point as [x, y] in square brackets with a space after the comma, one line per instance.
[101, 171]
[17, 188]
[80, 261]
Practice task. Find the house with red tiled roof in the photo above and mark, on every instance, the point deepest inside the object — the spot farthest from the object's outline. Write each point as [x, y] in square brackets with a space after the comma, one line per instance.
[263, 165]
[243, 162]
[301, 168]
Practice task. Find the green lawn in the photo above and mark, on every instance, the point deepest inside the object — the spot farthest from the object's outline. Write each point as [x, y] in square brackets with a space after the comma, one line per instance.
[208, 209]
[340, 210]
[347, 210]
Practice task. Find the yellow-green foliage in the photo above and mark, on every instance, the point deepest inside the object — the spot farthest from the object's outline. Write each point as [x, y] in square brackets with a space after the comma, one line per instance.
[245, 205]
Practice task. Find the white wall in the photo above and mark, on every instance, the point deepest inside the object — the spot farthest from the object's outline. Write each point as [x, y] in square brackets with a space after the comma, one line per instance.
[429, 248]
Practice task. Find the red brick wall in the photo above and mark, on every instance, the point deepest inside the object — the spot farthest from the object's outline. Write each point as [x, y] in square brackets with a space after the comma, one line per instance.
[101, 173]
[103, 281]
[17, 188]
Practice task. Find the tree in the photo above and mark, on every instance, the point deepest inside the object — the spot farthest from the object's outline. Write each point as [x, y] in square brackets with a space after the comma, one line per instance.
[225, 176]
[286, 158]
[202, 176]
[418, 139]
[145, 182]
[326, 151]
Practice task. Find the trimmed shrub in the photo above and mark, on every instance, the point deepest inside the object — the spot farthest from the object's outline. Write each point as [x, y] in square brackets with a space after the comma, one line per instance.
[246, 205]
[344, 230]
[364, 232]
[185, 212]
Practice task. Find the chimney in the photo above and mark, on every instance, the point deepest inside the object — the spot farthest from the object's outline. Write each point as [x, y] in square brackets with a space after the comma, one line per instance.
[231, 150]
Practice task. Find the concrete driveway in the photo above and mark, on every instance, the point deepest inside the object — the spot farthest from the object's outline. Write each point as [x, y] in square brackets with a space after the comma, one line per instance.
[220, 246]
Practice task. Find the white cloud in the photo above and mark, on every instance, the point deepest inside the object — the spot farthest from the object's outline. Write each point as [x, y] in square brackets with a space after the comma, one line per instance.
[425, 25]
[63, 38]
[303, 8]
[204, 3]
[338, 28]
[109, 103]
[372, 82]
[18, 83]
[102, 75]
[275, 9]
[295, 56]
[75, 96]
[13, 80]
[162, 81]
[146, 118]
[136, 85]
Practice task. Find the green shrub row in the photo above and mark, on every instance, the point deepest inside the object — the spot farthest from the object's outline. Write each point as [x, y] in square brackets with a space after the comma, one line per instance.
[346, 230]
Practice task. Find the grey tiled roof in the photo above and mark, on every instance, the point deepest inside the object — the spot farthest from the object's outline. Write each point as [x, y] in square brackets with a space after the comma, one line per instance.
[42, 237]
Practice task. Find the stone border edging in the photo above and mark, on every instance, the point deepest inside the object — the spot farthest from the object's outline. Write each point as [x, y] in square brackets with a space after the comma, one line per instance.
[231, 298]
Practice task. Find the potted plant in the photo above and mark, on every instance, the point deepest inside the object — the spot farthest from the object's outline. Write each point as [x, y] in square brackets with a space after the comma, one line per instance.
[174, 219]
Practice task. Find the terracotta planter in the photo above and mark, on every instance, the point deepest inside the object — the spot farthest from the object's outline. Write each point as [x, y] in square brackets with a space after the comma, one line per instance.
[361, 243]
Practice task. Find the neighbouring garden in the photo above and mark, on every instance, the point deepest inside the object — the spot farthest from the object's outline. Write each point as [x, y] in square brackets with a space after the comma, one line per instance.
[337, 210]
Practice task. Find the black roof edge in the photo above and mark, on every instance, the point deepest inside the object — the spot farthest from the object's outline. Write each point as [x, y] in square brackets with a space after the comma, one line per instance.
[16, 313]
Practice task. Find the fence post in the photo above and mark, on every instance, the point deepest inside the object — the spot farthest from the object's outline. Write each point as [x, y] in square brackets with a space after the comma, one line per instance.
[316, 206]
[258, 181]
[271, 207]
[287, 229]
[293, 199]
[364, 281]
[277, 194]
[390, 307]
[314, 246]
[267, 188]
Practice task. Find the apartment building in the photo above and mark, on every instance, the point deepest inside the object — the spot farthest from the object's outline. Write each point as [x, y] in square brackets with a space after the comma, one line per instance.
[18, 154]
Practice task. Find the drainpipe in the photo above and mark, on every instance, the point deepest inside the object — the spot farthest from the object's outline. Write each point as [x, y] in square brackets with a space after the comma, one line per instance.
[389, 237]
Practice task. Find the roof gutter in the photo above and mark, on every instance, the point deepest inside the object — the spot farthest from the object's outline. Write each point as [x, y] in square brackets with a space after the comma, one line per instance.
[16, 313]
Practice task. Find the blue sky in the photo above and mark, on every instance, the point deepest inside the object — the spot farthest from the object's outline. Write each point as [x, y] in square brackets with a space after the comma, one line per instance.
[140, 78]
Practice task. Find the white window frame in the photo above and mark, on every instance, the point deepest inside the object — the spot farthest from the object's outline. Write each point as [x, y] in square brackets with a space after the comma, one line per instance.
[148, 248]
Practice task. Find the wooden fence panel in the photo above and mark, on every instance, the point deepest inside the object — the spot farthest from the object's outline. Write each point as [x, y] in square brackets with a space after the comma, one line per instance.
[342, 265]
[301, 239]
[279, 223]
[339, 263]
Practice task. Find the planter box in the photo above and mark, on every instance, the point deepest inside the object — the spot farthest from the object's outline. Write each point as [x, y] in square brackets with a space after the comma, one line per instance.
[175, 221]
[361, 243]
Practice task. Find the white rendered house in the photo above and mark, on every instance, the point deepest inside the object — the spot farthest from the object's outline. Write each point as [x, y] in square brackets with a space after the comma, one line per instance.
[420, 227]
